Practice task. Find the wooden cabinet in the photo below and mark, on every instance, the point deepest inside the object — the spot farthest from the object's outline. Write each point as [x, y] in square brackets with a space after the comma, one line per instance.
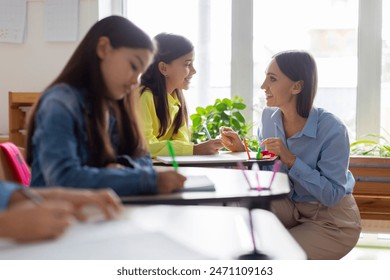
[372, 188]
[19, 105]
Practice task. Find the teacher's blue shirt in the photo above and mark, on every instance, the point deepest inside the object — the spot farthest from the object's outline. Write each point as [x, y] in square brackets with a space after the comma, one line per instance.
[320, 172]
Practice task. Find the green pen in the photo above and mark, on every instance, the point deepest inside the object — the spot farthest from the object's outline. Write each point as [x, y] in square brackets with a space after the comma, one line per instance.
[259, 155]
[172, 153]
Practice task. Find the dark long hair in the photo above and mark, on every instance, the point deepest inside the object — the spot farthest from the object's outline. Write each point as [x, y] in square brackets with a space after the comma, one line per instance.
[300, 66]
[83, 71]
[170, 47]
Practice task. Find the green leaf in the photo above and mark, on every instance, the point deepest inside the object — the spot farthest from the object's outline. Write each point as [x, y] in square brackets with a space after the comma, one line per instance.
[235, 124]
[194, 116]
[227, 102]
[239, 116]
[200, 111]
[196, 121]
[221, 107]
[239, 106]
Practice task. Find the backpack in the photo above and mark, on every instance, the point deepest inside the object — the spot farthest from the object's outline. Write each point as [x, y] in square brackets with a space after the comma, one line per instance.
[16, 163]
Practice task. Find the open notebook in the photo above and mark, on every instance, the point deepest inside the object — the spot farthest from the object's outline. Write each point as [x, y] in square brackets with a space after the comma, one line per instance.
[200, 183]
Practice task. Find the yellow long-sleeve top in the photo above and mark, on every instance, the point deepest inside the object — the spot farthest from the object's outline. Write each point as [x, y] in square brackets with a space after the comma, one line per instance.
[181, 141]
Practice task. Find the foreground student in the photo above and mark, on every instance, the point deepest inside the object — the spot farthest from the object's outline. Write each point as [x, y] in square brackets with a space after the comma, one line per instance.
[83, 131]
[163, 107]
[24, 219]
[313, 144]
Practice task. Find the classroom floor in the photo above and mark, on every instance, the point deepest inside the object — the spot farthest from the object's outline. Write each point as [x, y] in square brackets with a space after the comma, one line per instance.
[374, 242]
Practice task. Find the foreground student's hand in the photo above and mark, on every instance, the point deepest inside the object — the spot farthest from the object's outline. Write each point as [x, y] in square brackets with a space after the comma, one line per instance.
[209, 147]
[104, 199]
[231, 140]
[168, 181]
[26, 222]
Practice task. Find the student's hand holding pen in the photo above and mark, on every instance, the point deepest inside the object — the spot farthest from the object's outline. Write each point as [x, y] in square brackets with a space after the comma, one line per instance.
[169, 181]
[106, 200]
[26, 221]
[210, 147]
[231, 140]
[275, 145]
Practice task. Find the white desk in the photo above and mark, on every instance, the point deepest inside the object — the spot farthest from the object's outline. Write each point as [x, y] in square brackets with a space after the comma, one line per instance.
[165, 232]
[222, 159]
[230, 185]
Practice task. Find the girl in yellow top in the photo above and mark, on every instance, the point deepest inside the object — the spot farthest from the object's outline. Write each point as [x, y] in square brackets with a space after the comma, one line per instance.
[162, 107]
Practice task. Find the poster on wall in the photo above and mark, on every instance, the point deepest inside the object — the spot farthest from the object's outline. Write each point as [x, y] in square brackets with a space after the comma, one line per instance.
[61, 20]
[12, 20]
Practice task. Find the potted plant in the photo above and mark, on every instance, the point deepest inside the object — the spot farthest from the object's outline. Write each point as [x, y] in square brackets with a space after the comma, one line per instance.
[224, 112]
[373, 153]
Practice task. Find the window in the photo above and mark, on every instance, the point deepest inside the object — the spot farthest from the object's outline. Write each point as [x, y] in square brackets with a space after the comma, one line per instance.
[329, 29]
[385, 86]
[207, 26]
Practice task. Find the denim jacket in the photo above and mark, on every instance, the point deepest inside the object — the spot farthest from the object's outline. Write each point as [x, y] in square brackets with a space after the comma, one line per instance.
[60, 149]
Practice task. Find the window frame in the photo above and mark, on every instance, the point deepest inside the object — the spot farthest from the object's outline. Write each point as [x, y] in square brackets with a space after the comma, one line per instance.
[369, 50]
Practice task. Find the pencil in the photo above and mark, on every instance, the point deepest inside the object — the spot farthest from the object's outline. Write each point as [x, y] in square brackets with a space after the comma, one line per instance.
[207, 132]
[172, 153]
[246, 149]
[32, 195]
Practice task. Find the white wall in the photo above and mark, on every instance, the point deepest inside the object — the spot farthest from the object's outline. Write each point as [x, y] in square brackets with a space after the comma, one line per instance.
[31, 66]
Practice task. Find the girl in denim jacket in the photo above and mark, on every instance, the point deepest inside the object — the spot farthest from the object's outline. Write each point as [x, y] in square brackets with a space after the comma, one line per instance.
[83, 131]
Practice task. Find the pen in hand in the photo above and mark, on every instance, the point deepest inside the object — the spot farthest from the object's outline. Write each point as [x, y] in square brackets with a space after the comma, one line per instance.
[207, 132]
[172, 153]
[35, 198]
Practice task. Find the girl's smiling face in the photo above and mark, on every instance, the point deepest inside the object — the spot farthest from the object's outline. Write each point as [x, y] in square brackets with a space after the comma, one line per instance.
[179, 72]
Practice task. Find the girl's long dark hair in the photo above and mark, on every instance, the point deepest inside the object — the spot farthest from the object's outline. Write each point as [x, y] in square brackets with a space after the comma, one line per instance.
[83, 72]
[170, 47]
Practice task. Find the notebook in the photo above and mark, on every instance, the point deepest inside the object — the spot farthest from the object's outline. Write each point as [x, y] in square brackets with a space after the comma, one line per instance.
[200, 183]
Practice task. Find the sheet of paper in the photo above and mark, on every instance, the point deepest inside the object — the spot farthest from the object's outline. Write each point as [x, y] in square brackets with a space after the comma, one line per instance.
[198, 183]
[12, 20]
[61, 20]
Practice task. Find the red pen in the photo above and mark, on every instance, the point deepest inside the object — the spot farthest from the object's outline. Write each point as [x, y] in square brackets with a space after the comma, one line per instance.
[246, 149]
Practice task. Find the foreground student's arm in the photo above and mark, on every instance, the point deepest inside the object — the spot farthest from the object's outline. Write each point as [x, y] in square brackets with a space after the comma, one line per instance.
[105, 199]
[26, 222]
